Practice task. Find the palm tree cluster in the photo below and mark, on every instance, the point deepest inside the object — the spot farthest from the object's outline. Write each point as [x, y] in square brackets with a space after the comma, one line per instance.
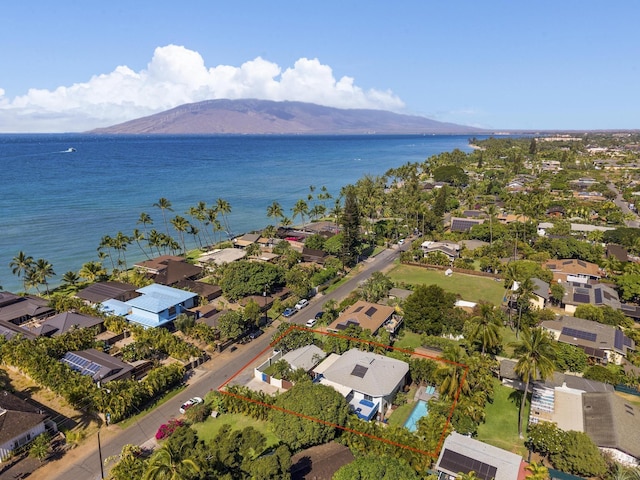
[33, 272]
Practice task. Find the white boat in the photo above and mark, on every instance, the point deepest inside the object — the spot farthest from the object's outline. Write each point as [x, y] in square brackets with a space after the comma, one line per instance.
[70, 150]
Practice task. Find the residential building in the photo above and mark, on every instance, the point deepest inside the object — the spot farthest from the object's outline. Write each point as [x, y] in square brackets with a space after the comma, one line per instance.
[20, 423]
[459, 224]
[159, 305]
[450, 249]
[100, 366]
[603, 343]
[597, 294]
[462, 454]
[540, 294]
[367, 380]
[366, 315]
[101, 291]
[572, 270]
[169, 270]
[613, 424]
[618, 252]
[18, 310]
[62, 323]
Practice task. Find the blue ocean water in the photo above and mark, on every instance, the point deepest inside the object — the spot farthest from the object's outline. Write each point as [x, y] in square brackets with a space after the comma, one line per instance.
[57, 205]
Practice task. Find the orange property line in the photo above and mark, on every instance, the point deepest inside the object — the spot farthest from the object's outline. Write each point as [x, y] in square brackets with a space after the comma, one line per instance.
[435, 454]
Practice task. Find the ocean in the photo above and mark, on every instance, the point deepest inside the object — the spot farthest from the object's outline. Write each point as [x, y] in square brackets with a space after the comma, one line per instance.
[57, 204]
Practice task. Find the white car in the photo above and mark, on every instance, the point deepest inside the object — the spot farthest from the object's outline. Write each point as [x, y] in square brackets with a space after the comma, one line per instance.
[311, 322]
[302, 303]
[190, 403]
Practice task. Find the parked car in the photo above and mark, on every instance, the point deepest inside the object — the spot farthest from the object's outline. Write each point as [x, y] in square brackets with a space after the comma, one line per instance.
[288, 312]
[255, 334]
[311, 322]
[190, 403]
[319, 315]
[302, 303]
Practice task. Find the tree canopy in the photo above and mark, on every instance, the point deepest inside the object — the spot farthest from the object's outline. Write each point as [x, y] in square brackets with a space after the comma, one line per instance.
[312, 401]
[375, 467]
[430, 309]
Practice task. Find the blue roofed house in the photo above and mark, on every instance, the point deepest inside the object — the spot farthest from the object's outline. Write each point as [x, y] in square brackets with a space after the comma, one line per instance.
[158, 305]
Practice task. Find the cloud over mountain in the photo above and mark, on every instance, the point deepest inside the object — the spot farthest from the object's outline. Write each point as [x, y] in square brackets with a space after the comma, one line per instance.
[175, 76]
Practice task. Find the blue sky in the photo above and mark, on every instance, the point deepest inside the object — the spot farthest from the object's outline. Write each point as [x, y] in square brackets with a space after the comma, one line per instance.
[75, 65]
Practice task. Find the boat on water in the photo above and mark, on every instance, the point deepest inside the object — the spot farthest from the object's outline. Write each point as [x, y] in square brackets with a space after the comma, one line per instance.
[70, 150]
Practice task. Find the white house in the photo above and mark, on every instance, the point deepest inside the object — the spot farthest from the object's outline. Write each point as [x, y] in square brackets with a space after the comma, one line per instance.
[367, 380]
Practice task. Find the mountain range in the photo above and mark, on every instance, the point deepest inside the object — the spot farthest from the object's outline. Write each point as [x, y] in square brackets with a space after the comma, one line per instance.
[262, 117]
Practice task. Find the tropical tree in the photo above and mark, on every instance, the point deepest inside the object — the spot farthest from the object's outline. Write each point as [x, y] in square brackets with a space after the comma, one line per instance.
[537, 471]
[92, 271]
[453, 373]
[164, 205]
[120, 243]
[145, 220]
[484, 326]
[535, 352]
[20, 265]
[181, 225]
[300, 208]
[275, 211]
[40, 447]
[169, 463]
[43, 270]
[71, 279]
[137, 237]
[224, 208]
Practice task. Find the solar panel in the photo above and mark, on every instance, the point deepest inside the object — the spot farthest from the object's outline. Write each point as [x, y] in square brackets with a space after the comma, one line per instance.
[359, 371]
[580, 298]
[371, 311]
[582, 291]
[572, 332]
[358, 309]
[627, 342]
[598, 294]
[618, 340]
[582, 264]
[81, 365]
[456, 462]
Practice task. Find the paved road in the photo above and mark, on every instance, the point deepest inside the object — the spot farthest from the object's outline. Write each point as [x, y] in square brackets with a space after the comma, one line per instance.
[208, 376]
[624, 206]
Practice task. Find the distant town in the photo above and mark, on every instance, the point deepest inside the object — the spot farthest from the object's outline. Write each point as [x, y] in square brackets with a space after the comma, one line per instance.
[474, 316]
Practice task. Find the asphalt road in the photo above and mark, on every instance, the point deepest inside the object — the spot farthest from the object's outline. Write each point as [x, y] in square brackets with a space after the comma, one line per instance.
[209, 376]
[624, 206]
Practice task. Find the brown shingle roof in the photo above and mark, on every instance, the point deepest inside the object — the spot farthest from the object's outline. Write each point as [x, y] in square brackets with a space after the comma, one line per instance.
[18, 417]
[369, 316]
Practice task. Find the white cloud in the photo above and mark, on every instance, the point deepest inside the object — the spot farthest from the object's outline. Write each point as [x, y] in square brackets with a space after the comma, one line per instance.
[174, 76]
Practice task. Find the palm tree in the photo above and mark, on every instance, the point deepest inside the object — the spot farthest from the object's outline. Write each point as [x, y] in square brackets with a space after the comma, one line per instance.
[137, 237]
[453, 373]
[224, 208]
[300, 208]
[164, 205]
[43, 270]
[107, 242]
[181, 225]
[525, 292]
[145, 220]
[120, 243]
[20, 265]
[491, 211]
[537, 471]
[275, 211]
[535, 352]
[167, 464]
[71, 279]
[485, 325]
[92, 271]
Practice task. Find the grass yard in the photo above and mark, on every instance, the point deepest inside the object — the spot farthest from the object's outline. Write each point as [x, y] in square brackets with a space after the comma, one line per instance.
[501, 426]
[208, 429]
[469, 287]
[408, 340]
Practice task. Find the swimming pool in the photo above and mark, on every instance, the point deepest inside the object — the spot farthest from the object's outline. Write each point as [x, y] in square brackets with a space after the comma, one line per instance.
[419, 411]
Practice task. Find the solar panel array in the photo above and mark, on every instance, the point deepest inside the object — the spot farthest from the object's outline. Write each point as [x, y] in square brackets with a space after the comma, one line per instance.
[82, 365]
[456, 462]
[618, 340]
[371, 311]
[458, 225]
[575, 333]
[580, 298]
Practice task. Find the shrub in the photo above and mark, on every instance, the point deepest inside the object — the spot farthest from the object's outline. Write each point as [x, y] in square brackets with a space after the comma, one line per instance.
[167, 429]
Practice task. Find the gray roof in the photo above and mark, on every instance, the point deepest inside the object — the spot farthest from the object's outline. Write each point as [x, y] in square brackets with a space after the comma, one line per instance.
[469, 454]
[20, 309]
[63, 322]
[101, 291]
[541, 288]
[305, 357]
[612, 422]
[367, 372]
[101, 366]
[17, 417]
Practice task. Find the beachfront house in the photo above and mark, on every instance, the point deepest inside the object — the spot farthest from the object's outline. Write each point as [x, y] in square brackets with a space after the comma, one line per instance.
[159, 305]
[367, 380]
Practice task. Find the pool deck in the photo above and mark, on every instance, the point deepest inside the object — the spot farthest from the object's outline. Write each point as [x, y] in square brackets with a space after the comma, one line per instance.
[421, 394]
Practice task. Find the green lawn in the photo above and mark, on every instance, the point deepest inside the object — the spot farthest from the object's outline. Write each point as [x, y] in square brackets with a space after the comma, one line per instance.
[208, 429]
[501, 426]
[469, 287]
[408, 340]
[400, 414]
